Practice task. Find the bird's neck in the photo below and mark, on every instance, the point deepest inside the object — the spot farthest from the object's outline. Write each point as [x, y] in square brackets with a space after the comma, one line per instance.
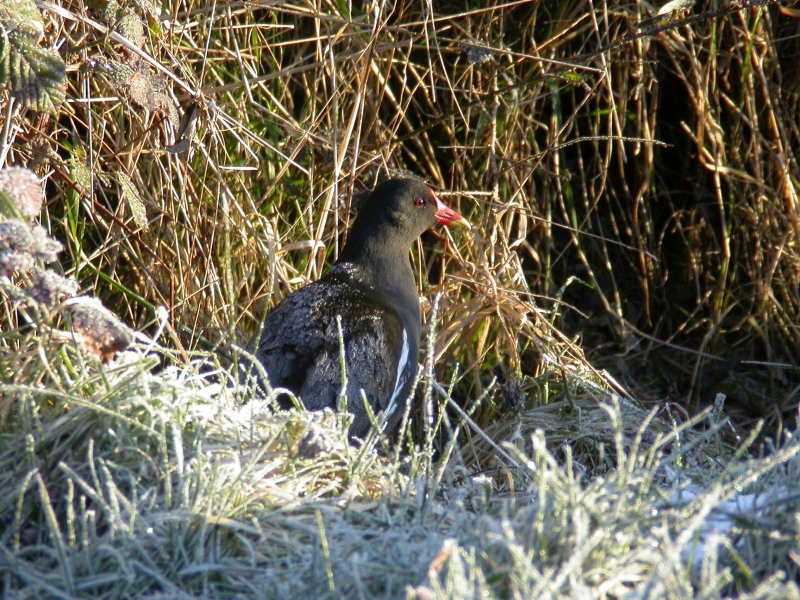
[382, 266]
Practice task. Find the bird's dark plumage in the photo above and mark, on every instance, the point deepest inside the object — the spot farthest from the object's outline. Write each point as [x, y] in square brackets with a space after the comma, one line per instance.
[371, 287]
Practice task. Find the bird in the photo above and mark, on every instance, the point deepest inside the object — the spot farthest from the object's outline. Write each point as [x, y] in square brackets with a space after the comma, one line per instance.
[371, 291]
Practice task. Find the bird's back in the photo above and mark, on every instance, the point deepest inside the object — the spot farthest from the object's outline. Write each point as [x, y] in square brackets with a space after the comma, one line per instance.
[300, 348]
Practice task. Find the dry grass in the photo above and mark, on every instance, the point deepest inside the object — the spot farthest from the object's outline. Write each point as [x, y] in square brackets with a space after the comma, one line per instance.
[682, 254]
[637, 205]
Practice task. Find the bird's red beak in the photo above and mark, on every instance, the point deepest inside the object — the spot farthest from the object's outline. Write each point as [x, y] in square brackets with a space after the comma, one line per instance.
[447, 216]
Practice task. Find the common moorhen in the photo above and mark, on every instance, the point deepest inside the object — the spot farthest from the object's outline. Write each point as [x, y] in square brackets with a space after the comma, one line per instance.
[371, 288]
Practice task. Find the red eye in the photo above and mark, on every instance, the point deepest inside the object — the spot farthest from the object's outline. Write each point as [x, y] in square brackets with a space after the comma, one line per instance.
[419, 202]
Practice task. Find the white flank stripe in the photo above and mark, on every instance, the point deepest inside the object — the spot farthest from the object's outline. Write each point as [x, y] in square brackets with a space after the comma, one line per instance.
[401, 366]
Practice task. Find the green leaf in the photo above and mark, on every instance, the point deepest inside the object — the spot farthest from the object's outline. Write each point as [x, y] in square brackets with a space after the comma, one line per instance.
[132, 27]
[22, 16]
[36, 76]
[81, 174]
[134, 200]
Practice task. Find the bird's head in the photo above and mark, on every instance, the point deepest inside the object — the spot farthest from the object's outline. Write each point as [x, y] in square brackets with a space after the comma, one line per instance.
[409, 207]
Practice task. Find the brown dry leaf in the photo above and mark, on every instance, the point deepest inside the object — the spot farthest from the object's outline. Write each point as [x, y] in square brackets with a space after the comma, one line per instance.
[21, 246]
[47, 287]
[100, 331]
[139, 90]
[139, 85]
[45, 248]
[16, 236]
[20, 262]
[24, 189]
[165, 105]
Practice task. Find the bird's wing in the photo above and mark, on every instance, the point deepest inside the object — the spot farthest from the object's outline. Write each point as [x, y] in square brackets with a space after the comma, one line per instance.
[378, 360]
[300, 350]
[293, 333]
